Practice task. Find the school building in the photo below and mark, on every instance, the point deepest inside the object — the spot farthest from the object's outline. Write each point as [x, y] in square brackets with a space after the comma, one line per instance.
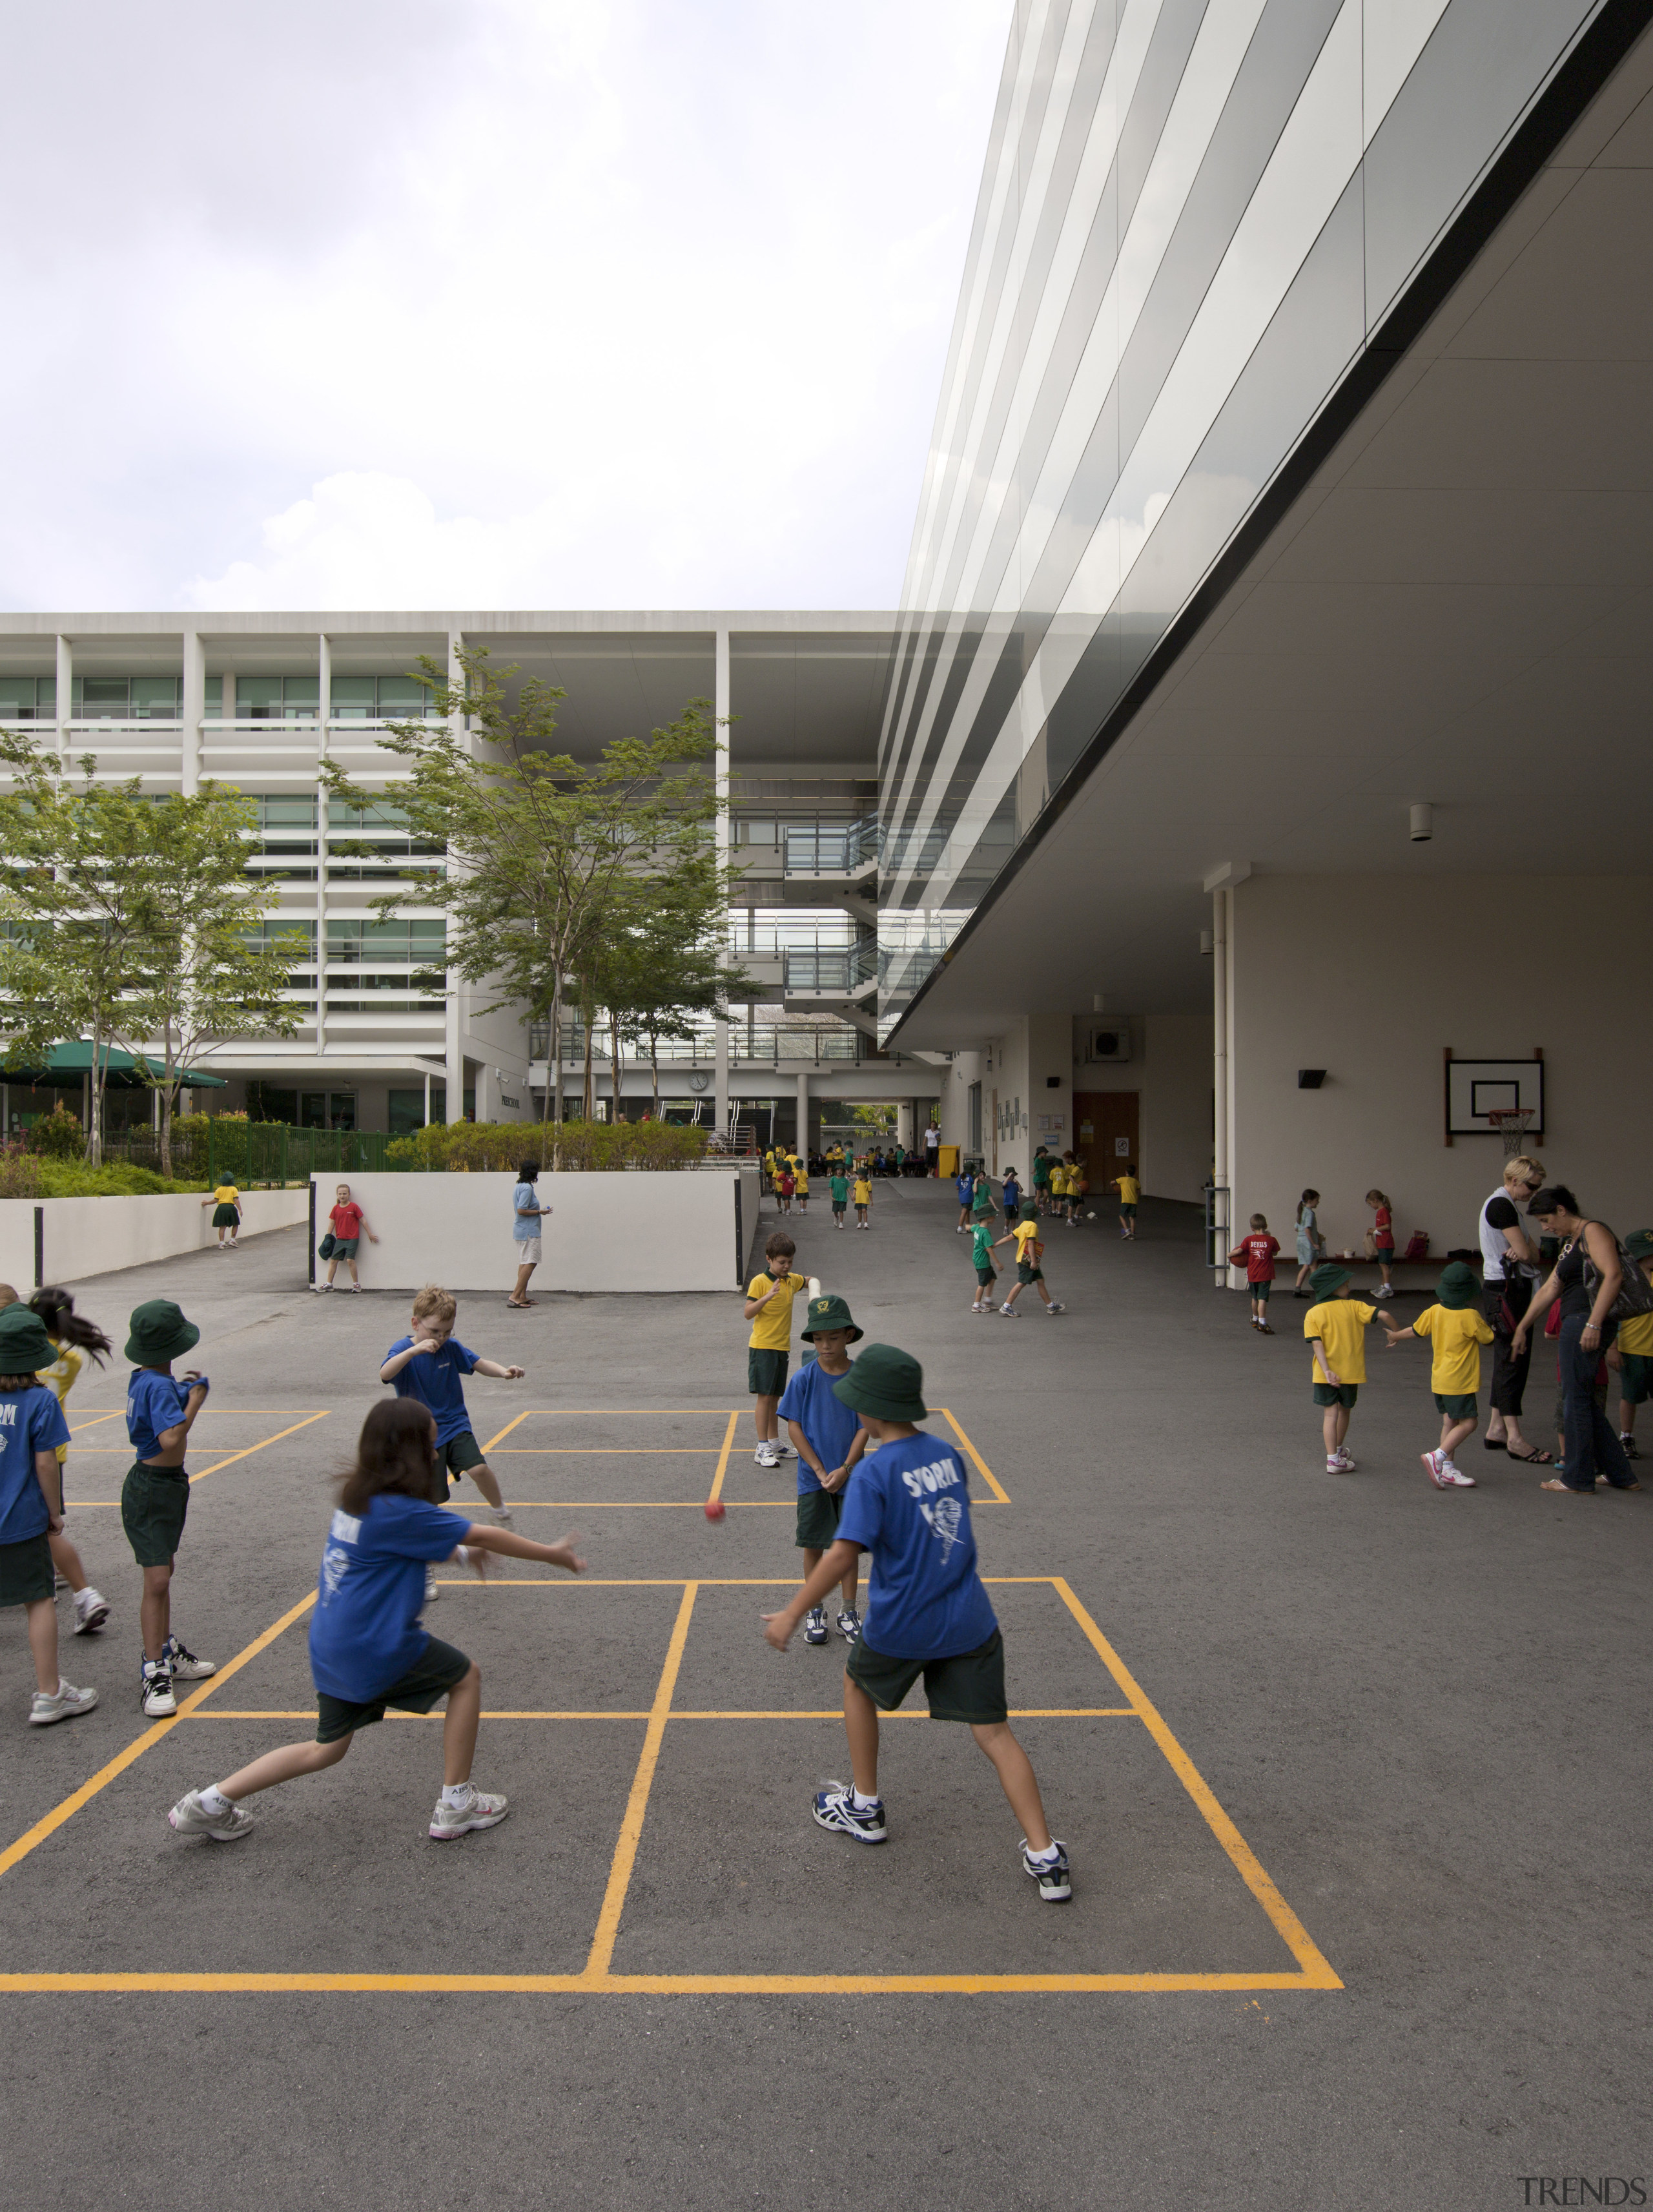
[1253, 783]
[1265, 768]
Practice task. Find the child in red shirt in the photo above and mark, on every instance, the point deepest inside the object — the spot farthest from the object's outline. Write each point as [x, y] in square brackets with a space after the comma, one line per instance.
[347, 1225]
[1256, 1254]
[1383, 1240]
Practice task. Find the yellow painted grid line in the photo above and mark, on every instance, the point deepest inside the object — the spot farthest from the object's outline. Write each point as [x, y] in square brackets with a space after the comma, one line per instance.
[503, 1433]
[91, 1504]
[611, 1451]
[1317, 1974]
[631, 1828]
[982, 1467]
[716, 1490]
[135, 1750]
[744, 1713]
[607, 1984]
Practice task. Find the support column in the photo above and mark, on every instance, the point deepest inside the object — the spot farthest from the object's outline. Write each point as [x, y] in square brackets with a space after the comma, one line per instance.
[63, 705]
[721, 841]
[803, 1112]
[324, 710]
[195, 706]
[452, 1051]
[1219, 1051]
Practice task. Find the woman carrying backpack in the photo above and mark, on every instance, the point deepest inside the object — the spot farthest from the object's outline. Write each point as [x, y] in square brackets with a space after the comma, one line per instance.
[1591, 1278]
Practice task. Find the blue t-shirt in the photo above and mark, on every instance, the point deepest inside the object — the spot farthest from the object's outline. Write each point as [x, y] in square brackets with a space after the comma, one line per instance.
[30, 1421]
[154, 1402]
[433, 1379]
[1011, 1194]
[907, 1503]
[524, 1202]
[966, 1190]
[828, 1424]
[364, 1629]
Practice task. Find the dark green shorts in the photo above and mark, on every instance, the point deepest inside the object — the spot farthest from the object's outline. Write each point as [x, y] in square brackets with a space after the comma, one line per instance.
[766, 1372]
[969, 1686]
[1026, 1273]
[426, 1683]
[1461, 1405]
[1336, 1393]
[460, 1454]
[1260, 1292]
[1636, 1382]
[817, 1519]
[153, 1501]
[986, 1277]
[225, 1217]
[1385, 1258]
[26, 1572]
[1127, 1209]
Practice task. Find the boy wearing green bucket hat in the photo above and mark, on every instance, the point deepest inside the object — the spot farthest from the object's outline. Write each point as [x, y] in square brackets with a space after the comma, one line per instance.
[908, 1505]
[1456, 1329]
[1632, 1351]
[982, 1216]
[154, 1497]
[1335, 1326]
[32, 1426]
[829, 1440]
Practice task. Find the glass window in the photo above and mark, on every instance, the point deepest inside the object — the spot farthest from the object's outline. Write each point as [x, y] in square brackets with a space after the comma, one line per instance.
[355, 697]
[27, 698]
[102, 698]
[156, 698]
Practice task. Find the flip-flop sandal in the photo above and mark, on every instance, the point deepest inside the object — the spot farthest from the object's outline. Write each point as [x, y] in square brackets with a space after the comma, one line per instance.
[521, 1305]
[1554, 1484]
[1539, 1458]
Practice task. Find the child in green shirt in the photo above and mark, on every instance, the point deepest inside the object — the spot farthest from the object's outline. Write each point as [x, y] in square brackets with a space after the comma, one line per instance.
[986, 1268]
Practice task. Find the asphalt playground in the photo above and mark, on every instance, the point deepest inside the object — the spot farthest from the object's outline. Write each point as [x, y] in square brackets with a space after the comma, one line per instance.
[1352, 1776]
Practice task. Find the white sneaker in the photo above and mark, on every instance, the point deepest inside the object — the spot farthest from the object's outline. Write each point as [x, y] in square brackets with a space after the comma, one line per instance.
[183, 1665]
[159, 1702]
[321, 1286]
[91, 1611]
[1010, 1313]
[1055, 1307]
[1454, 1478]
[1340, 1463]
[503, 1516]
[60, 1704]
[782, 1449]
[767, 1458]
[191, 1818]
[477, 1810]
[431, 1591]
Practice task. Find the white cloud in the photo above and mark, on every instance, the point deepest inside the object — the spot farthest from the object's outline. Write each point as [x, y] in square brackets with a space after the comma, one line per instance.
[527, 303]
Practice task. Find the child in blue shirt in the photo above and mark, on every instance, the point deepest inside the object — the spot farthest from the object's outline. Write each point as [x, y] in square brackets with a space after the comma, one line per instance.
[907, 1503]
[430, 1365]
[829, 1440]
[1010, 1197]
[155, 1498]
[32, 1426]
[965, 1187]
[368, 1650]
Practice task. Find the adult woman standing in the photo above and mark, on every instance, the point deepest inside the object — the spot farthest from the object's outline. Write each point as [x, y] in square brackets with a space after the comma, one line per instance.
[1586, 1279]
[1509, 1274]
[527, 1214]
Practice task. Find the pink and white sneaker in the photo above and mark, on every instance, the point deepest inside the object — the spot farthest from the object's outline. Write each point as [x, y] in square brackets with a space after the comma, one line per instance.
[1443, 1474]
[1340, 1463]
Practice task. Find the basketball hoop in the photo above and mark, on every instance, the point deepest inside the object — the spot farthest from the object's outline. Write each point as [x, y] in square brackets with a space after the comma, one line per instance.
[1510, 1122]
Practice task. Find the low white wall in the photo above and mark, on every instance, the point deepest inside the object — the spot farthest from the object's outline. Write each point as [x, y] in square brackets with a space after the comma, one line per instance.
[624, 1231]
[83, 1236]
[1368, 977]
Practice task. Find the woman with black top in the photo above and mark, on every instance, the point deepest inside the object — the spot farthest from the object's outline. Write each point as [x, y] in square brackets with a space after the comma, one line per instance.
[1586, 1279]
[1510, 1275]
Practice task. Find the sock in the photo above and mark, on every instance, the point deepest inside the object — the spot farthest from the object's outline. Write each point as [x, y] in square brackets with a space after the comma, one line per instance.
[214, 1800]
[499, 1512]
[1045, 1856]
[862, 1804]
[455, 1793]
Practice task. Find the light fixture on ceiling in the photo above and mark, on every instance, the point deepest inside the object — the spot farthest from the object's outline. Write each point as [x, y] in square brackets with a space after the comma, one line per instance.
[1423, 824]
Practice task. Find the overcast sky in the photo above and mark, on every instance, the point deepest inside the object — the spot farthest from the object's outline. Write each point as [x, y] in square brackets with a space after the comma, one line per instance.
[521, 303]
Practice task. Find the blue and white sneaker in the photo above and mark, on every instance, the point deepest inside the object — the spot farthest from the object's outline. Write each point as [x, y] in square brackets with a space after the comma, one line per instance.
[182, 1664]
[833, 1809]
[815, 1625]
[1051, 1875]
[849, 1624]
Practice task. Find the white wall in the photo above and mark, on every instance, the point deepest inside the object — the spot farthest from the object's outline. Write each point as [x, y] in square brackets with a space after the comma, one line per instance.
[624, 1231]
[1371, 977]
[97, 1236]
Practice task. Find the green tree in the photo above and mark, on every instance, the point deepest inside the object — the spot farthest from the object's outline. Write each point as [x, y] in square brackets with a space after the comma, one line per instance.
[665, 965]
[539, 844]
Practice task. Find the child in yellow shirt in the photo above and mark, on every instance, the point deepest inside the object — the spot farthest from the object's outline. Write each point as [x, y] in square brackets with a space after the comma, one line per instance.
[863, 1195]
[1456, 1329]
[1028, 1253]
[1335, 1326]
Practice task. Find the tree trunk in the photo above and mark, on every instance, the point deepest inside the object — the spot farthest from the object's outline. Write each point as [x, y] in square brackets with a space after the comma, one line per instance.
[94, 1098]
[654, 1072]
[614, 1065]
[166, 1093]
[587, 1016]
[556, 1084]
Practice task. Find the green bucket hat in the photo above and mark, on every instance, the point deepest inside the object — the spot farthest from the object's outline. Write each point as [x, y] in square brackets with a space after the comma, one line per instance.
[1640, 1244]
[159, 1333]
[886, 1384]
[830, 1312]
[25, 1348]
[1459, 1286]
[1030, 1212]
[1327, 1281]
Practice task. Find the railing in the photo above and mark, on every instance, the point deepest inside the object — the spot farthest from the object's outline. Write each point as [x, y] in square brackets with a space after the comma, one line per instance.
[847, 970]
[761, 1045]
[207, 1146]
[834, 850]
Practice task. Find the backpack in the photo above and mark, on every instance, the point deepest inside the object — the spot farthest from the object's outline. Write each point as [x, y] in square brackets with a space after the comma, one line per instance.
[1417, 1246]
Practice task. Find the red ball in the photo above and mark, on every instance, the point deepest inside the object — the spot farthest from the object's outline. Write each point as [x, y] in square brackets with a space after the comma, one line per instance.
[715, 1508]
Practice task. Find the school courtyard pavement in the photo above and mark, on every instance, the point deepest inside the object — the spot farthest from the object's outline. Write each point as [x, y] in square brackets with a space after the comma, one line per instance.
[1352, 1774]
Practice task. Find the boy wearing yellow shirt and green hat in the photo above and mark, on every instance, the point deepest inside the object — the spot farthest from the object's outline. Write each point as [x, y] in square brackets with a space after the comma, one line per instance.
[1456, 1329]
[1632, 1351]
[1335, 1326]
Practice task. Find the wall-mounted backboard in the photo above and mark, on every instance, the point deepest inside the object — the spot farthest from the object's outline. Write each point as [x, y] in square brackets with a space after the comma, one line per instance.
[1476, 1088]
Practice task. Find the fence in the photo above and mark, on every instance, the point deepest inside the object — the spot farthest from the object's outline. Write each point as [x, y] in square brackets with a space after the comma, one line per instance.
[220, 1148]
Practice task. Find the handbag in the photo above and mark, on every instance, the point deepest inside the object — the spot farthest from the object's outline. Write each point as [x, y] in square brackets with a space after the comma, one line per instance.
[1635, 1292]
[328, 1246]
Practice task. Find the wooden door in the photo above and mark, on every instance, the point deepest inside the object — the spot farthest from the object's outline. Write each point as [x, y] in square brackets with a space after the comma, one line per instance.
[1106, 1135]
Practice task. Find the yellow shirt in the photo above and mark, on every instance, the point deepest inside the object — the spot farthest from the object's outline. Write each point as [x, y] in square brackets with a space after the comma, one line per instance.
[1455, 1336]
[61, 1377]
[1340, 1325]
[800, 1182]
[1059, 1182]
[1026, 1234]
[863, 1191]
[772, 1328]
[1635, 1336]
[1130, 1191]
[226, 1194]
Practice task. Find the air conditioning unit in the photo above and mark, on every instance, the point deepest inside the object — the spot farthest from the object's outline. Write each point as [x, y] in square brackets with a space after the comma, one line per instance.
[1105, 1043]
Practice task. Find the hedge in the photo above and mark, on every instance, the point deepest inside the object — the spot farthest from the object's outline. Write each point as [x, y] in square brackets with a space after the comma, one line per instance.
[464, 1146]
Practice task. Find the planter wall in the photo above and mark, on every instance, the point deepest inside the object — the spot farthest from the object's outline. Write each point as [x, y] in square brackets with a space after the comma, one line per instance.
[64, 1240]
